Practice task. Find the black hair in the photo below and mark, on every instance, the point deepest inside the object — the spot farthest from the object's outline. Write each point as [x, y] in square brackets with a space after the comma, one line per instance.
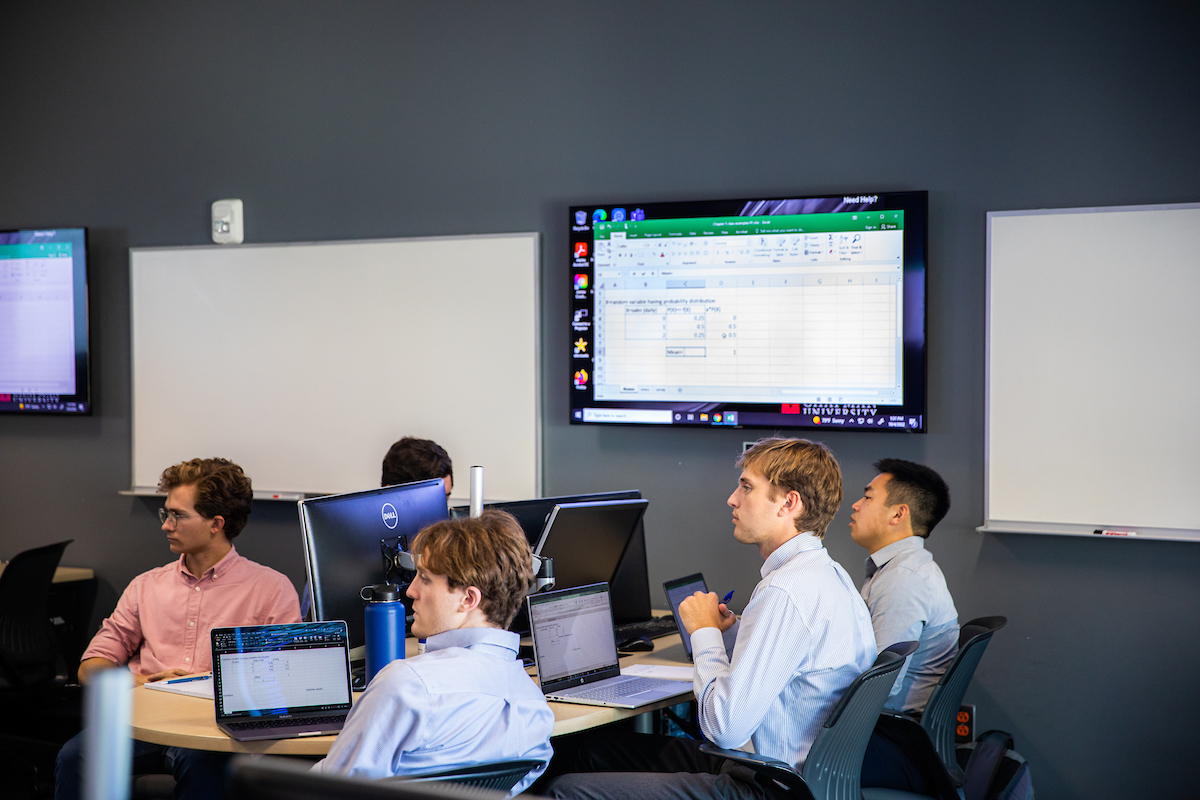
[918, 487]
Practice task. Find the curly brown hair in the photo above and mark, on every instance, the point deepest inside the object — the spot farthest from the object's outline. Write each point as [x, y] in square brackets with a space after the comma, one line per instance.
[222, 489]
[807, 468]
[488, 552]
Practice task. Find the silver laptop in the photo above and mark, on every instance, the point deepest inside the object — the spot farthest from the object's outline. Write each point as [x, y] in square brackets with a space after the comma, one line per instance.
[281, 681]
[576, 652]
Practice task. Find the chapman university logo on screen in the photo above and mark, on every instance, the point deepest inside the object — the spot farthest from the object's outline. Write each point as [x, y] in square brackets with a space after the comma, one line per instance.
[389, 516]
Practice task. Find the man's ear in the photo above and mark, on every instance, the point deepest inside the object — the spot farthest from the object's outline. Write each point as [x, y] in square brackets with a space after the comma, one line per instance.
[900, 514]
[217, 525]
[471, 599]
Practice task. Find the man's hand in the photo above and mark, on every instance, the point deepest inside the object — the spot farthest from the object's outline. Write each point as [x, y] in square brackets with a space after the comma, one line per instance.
[705, 611]
[158, 676]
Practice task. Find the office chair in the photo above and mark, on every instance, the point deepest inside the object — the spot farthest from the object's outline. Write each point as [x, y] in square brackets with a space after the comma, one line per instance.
[834, 764]
[498, 775]
[272, 778]
[929, 744]
[37, 711]
[29, 657]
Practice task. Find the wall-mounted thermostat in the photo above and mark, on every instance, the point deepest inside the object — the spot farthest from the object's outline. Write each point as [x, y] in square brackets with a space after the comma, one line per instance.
[227, 219]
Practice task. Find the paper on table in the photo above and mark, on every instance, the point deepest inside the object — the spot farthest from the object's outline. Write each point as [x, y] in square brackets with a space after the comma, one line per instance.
[659, 671]
[200, 687]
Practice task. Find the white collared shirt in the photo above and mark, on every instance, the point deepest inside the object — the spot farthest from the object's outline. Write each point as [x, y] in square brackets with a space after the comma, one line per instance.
[803, 638]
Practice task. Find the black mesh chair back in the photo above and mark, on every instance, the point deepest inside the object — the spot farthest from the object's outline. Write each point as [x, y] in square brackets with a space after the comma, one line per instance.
[941, 712]
[28, 649]
[833, 768]
[498, 775]
[271, 778]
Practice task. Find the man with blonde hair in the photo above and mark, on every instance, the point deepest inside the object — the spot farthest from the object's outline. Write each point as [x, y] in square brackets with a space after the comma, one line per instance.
[467, 699]
[803, 638]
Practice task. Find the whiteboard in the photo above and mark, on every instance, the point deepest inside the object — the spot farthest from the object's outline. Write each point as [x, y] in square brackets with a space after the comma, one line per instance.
[304, 362]
[1093, 371]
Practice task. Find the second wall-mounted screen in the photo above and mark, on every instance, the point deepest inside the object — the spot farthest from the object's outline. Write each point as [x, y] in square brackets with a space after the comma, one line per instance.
[802, 312]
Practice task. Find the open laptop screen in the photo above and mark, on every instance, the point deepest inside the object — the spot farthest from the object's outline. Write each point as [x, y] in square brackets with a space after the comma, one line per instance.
[573, 634]
[269, 670]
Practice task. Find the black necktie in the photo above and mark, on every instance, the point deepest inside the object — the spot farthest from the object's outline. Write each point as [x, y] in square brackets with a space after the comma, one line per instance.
[871, 568]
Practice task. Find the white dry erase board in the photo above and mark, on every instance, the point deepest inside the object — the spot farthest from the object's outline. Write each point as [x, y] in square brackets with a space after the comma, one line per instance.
[1093, 371]
[304, 362]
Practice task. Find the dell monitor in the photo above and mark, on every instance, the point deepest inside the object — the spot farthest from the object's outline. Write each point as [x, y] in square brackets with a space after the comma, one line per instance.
[342, 535]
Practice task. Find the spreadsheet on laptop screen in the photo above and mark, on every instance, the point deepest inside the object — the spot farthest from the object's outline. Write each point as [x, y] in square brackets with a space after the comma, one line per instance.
[573, 635]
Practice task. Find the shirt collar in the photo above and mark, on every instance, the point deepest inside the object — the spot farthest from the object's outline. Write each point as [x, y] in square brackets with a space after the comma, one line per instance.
[797, 544]
[505, 644]
[217, 570]
[885, 554]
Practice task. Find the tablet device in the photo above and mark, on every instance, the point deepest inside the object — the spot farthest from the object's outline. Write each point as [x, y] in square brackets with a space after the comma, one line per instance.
[676, 591]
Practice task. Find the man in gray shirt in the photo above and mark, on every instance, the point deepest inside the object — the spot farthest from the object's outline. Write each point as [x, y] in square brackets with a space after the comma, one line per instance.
[905, 590]
[908, 599]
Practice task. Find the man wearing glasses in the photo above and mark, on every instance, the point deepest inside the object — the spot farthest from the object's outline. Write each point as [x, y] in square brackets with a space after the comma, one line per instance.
[160, 627]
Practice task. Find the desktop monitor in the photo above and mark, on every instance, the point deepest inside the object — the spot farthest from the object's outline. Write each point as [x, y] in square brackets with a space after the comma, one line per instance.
[341, 543]
[631, 582]
[784, 312]
[588, 540]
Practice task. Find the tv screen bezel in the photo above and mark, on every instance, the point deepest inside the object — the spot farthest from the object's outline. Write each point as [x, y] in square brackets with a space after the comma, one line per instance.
[80, 403]
[909, 417]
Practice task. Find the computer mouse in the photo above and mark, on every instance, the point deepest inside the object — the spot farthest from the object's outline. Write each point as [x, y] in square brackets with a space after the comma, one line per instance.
[638, 645]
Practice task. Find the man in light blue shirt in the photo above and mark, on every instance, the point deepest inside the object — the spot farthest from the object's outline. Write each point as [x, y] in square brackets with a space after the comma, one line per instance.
[467, 699]
[803, 638]
[908, 598]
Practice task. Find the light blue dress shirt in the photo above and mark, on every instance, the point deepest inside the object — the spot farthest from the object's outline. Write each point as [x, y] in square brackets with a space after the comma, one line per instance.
[909, 602]
[466, 700]
[803, 638]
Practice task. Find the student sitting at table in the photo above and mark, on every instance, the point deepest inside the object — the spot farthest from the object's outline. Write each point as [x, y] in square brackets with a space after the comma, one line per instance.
[467, 699]
[160, 627]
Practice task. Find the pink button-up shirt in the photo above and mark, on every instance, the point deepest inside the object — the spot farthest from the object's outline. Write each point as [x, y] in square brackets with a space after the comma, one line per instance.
[164, 616]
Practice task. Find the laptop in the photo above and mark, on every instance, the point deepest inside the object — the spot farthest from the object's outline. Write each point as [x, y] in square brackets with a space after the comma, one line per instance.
[679, 589]
[576, 652]
[281, 681]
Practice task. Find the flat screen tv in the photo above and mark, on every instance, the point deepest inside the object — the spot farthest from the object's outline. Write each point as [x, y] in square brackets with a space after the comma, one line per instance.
[797, 312]
[44, 322]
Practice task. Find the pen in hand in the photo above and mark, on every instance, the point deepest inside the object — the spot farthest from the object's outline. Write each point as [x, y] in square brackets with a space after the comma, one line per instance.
[725, 599]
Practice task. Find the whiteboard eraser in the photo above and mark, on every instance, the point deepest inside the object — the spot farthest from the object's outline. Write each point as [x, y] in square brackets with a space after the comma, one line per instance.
[227, 227]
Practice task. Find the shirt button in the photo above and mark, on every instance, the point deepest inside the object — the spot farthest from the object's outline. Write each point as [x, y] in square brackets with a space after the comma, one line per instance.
[191, 624]
[189, 658]
[197, 588]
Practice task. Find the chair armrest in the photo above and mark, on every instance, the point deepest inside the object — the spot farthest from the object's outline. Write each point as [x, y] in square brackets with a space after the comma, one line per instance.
[770, 768]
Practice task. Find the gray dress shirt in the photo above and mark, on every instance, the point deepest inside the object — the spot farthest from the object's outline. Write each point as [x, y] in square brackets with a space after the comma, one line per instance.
[909, 602]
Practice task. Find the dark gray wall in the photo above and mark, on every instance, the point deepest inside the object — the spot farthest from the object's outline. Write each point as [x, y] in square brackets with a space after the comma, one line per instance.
[338, 120]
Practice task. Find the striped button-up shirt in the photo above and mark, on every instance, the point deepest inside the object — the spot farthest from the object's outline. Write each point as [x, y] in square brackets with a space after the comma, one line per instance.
[803, 638]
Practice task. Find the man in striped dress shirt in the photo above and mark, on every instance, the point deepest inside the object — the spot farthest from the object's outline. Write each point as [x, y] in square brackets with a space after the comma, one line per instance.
[803, 638]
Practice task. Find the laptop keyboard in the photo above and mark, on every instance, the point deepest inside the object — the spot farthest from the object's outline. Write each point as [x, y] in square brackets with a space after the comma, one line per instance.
[619, 690]
[304, 722]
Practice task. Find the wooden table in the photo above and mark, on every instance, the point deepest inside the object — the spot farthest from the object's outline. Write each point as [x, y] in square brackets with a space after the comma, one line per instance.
[65, 574]
[182, 721]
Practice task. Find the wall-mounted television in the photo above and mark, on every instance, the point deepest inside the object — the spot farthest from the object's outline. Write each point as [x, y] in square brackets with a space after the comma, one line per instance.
[797, 312]
[44, 322]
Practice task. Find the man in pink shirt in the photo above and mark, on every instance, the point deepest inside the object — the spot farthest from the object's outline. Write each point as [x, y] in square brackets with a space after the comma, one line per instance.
[160, 627]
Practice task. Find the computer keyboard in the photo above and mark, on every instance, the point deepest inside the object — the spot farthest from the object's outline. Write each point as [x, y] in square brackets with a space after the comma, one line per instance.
[618, 690]
[276, 722]
[654, 628]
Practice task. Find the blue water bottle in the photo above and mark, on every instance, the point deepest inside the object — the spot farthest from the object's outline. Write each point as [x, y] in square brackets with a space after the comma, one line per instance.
[384, 617]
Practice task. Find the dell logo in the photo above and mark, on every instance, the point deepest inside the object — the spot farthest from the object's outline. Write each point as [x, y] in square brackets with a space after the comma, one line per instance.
[389, 515]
